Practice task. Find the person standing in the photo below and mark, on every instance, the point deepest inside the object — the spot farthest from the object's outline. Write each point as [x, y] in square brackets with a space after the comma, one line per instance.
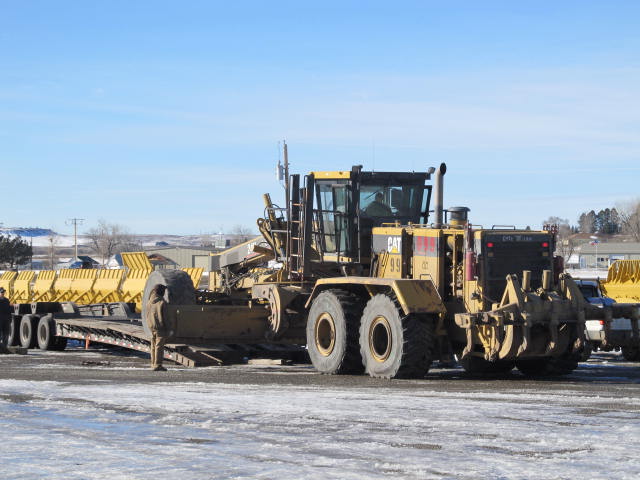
[5, 320]
[156, 318]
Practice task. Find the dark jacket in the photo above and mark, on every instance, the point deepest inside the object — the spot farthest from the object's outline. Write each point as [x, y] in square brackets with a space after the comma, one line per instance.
[156, 315]
[5, 309]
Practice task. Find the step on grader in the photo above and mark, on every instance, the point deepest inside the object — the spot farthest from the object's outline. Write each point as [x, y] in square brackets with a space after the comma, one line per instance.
[375, 278]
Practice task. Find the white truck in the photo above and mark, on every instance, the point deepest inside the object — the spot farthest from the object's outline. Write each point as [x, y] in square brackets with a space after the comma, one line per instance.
[607, 334]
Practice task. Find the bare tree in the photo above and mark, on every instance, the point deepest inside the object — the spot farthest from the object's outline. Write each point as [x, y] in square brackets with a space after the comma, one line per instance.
[630, 218]
[241, 233]
[566, 244]
[107, 239]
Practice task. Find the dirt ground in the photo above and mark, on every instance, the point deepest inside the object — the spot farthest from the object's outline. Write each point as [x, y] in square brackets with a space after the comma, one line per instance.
[604, 372]
[101, 413]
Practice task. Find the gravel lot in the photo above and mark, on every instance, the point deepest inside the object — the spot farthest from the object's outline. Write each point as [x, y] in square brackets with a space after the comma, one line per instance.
[98, 413]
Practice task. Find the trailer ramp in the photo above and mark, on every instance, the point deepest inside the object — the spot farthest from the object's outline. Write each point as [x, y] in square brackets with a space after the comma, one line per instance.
[125, 332]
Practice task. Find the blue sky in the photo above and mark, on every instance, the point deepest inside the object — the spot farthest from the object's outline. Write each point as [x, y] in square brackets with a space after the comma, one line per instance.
[166, 116]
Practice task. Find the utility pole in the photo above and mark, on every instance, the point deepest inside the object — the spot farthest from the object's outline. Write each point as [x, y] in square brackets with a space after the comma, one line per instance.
[75, 222]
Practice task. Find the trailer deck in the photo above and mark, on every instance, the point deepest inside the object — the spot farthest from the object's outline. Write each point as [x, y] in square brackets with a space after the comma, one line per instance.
[117, 324]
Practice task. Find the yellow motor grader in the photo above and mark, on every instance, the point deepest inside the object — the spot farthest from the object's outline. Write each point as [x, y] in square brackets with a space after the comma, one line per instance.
[374, 277]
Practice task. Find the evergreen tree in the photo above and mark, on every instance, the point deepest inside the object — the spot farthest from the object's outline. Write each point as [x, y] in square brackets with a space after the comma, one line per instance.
[14, 251]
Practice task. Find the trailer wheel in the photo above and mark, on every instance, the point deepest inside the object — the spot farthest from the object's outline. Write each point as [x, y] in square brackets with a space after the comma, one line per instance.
[14, 331]
[46, 333]
[28, 327]
[394, 345]
[332, 333]
[180, 290]
[478, 365]
[631, 353]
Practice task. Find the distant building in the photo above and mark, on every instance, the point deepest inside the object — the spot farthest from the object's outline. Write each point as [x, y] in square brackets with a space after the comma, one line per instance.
[182, 257]
[160, 262]
[602, 255]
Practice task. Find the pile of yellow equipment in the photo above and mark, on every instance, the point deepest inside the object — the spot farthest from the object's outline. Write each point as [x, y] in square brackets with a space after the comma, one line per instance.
[623, 281]
[86, 286]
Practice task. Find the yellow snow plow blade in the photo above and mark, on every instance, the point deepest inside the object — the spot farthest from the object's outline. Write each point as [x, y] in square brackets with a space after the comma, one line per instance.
[139, 268]
[22, 287]
[6, 282]
[623, 281]
[43, 286]
[195, 274]
[107, 286]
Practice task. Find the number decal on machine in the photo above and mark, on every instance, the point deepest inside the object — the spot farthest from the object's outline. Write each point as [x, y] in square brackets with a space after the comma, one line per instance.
[395, 264]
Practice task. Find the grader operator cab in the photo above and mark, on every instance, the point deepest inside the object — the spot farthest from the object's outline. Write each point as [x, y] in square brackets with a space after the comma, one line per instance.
[374, 278]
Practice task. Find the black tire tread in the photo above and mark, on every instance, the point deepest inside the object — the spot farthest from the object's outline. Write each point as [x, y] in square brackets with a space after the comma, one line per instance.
[418, 341]
[352, 307]
[342, 361]
[419, 338]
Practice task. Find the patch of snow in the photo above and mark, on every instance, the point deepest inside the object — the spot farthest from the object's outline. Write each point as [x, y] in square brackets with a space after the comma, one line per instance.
[600, 273]
[222, 431]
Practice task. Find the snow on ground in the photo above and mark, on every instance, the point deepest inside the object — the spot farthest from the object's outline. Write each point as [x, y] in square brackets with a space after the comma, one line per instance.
[220, 431]
[588, 273]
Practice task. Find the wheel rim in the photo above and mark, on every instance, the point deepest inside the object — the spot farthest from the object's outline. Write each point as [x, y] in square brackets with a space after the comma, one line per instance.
[24, 331]
[42, 333]
[380, 339]
[325, 334]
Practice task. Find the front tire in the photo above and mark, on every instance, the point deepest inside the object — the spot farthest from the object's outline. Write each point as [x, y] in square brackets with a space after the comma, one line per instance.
[332, 333]
[394, 345]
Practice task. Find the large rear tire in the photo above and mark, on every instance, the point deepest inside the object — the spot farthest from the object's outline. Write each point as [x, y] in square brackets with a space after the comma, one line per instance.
[394, 345]
[180, 290]
[28, 328]
[332, 333]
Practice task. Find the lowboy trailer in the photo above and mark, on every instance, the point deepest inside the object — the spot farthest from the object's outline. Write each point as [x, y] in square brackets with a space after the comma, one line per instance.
[49, 326]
